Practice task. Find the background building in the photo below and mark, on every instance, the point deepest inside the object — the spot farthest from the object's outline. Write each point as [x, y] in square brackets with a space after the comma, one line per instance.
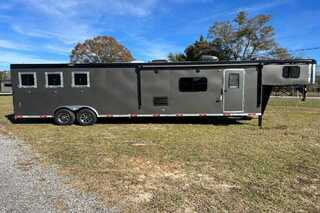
[5, 83]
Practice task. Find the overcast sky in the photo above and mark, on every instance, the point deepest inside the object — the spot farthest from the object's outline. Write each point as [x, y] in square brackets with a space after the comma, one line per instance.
[44, 31]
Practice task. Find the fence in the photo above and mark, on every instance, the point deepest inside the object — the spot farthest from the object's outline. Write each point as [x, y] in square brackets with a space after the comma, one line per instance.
[312, 91]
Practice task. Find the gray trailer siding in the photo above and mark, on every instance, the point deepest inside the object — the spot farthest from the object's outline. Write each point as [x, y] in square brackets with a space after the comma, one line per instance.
[111, 91]
[251, 90]
[197, 102]
[273, 75]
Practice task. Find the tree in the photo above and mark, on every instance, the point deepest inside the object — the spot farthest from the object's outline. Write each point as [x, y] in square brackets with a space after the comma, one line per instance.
[247, 38]
[199, 48]
[204, 47]
[101, 49]
[243, 38]
[280, 53]
[175, 57]
[4, 75]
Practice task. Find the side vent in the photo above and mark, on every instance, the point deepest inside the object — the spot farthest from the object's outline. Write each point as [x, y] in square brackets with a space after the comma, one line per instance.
[160, 101]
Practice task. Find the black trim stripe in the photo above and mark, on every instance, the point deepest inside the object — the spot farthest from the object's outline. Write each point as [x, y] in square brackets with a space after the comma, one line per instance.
[162, 65]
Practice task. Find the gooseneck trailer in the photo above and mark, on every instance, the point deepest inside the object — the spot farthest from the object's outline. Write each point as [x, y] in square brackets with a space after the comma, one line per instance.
[82, 93]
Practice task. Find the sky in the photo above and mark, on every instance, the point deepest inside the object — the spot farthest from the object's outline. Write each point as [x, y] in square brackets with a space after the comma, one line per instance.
[45, 31]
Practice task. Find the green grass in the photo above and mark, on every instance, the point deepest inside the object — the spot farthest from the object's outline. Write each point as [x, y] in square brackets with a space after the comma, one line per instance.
[152, 167]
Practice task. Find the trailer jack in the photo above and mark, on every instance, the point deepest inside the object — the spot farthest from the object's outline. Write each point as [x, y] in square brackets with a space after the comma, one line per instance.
[260, 119]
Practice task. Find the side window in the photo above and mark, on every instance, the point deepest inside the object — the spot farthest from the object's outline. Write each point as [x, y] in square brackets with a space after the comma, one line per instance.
[197, 84]
[27, 80]
[54, 79]
[291, 72]
[234, 80]
[80, 79]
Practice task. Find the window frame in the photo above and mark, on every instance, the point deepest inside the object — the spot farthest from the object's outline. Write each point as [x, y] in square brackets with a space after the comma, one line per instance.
[54, 86]
[193, 91]
[289, 77]
[35, 85]
[80, 86]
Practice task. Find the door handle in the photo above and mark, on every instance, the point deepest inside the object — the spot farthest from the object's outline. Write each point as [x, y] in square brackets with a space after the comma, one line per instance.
[220, 99]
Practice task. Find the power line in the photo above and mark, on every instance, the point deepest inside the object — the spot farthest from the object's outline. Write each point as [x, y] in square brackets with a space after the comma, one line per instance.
[305, 49]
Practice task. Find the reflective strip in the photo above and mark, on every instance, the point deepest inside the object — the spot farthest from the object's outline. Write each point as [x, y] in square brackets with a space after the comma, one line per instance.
[32, 116]
[252, 114]
[179, 115]
[203, 115]
[134, 115]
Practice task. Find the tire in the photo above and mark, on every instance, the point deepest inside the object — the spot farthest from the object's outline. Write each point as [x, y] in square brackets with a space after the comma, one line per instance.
[64, 117]
[86, 117]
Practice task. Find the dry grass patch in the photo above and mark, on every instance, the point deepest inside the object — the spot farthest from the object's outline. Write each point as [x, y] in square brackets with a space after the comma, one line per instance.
[192, 166]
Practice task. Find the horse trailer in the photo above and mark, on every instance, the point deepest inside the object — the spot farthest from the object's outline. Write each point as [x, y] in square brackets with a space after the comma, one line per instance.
[85, 92]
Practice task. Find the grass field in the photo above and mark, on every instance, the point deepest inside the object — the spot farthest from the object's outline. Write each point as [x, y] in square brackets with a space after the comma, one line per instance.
[194, 165]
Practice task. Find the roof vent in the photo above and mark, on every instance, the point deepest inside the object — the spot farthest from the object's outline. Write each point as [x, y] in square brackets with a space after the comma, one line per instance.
[209, 58]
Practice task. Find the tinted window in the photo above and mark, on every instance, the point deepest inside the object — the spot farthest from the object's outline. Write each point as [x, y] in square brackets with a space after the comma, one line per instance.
[193, 84]
[81, 79]
[54, 79]
[234, 80]
[27, 80]
[291, 72]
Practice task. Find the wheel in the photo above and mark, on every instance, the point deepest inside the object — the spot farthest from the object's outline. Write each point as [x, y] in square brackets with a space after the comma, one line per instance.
[86, 117]
[64, 117]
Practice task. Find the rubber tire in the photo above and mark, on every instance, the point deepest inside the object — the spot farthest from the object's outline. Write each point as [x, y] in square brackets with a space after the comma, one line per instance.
[91, 120]
[64, 121]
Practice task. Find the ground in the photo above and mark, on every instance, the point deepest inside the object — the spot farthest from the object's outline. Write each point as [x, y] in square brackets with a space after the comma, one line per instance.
[188, 165]
[28, 187]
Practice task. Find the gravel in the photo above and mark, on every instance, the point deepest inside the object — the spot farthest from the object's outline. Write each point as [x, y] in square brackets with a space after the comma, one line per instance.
[25, 186]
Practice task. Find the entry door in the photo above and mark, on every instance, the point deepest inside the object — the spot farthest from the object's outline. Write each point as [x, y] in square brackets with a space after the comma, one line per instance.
[233, 100]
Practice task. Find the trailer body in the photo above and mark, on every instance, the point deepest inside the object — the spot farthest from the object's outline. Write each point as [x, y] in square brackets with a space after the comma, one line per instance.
[153, 89]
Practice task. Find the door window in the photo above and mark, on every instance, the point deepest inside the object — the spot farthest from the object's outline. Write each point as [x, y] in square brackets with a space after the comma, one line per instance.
[234, 80]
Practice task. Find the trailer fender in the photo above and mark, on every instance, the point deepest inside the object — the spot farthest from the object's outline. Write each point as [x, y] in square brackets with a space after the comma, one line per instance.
[76, 108]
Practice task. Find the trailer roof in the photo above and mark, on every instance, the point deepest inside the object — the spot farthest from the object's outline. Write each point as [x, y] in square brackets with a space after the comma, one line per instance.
[166, 64]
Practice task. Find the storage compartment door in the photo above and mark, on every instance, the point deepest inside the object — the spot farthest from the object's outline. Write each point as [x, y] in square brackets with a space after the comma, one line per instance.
[155, 91]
